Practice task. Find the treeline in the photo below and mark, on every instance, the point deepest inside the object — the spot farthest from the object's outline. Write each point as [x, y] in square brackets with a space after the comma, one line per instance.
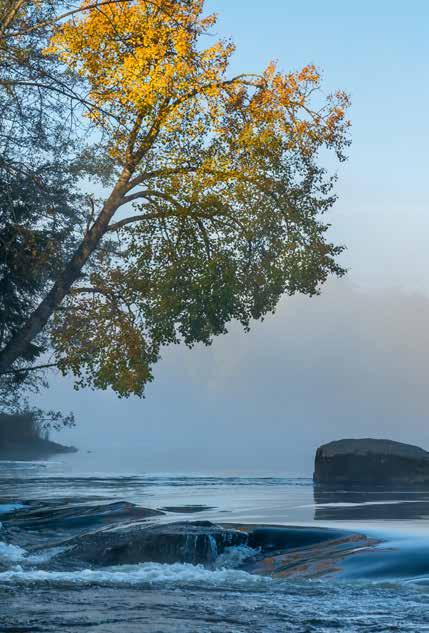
[25, 435]
[213, 200]
[22, 428]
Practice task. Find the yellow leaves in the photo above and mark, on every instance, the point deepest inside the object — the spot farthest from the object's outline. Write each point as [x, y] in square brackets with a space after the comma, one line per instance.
[145, 66]
[136, 56]
[308, 73]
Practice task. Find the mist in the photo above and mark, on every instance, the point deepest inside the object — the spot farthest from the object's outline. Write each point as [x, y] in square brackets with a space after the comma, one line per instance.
[352, 362]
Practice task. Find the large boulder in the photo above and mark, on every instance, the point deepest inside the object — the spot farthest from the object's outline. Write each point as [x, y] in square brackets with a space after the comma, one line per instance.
[369, 461]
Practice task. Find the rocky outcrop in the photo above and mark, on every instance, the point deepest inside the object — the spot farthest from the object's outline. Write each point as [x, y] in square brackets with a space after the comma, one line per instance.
[197, 543]
[371, 462]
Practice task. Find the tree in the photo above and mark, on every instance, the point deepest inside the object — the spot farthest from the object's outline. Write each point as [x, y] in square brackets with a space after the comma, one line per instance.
[216, 196]
[41, 209]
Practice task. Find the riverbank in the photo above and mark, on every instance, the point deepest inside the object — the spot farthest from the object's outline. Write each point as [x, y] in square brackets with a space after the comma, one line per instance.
[37, 448]
[24, 436]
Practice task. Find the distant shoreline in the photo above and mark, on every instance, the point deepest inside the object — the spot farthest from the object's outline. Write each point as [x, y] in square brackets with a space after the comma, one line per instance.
[36, 449]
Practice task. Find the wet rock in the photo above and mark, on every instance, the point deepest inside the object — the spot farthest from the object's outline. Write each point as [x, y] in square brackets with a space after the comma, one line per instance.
[308, 557]
[268, 538]
[371, 462]
[197, 543]
[187, 509]
[79, 517]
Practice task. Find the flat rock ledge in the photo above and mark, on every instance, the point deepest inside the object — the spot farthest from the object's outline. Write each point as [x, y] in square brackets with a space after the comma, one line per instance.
[371, 462]
[197, 543]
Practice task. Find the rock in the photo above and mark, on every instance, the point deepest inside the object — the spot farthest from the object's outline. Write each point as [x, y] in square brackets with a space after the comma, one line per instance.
[197, 543]
[313, 557]
[187, 509]
[268, 538]
[80, 517]
[370, 461]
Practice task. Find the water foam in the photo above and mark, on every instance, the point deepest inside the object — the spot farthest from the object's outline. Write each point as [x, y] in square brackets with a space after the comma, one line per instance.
[145, 574]
[11, 554]
[233, 557]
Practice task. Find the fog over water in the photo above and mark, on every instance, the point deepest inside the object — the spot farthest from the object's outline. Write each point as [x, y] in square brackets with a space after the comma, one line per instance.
[349, 363]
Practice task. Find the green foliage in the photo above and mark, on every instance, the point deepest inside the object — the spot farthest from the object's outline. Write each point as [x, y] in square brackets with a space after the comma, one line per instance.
[184, 277]
[38, 219]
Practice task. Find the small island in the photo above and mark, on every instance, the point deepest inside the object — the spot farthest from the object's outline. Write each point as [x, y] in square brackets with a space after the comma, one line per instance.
[23, 438]
[371, 462]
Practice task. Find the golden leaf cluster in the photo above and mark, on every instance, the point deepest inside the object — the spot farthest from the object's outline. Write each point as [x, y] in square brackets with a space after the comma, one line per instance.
[143, 60]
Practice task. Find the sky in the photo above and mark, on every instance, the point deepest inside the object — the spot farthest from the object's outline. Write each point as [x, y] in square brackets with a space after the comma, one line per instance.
[350, 363]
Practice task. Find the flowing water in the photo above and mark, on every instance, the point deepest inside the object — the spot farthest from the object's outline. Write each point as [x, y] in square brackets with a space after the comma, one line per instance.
[381, 584]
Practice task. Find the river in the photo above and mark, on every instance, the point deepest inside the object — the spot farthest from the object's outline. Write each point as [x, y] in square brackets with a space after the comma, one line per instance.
[45, 504]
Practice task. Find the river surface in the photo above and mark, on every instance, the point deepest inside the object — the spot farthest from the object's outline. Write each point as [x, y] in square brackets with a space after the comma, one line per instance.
[44, 504]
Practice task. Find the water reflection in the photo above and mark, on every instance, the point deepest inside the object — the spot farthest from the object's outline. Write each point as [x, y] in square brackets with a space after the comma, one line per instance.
[358, 504]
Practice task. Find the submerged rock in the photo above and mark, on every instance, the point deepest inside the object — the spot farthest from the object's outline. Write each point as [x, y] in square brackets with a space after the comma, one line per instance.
[186, 509]
[268, 538]
[197, 543]
[78, 517]
[314, 555]
[370, 461]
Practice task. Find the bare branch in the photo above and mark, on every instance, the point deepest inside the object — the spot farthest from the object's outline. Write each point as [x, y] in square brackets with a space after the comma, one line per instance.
[64, 92]
[136, 218]
[157, 173]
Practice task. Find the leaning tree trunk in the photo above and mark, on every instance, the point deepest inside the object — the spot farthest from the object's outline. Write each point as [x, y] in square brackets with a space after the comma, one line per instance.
[17, 345]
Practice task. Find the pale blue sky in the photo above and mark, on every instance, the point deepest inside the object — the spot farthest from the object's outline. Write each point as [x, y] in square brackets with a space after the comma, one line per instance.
[378, 52]
[353, 362]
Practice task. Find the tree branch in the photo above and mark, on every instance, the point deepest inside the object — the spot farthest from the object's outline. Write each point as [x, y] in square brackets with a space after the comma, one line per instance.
[172, 171]
[137, 218]
[10, 16]
[81, 9]
[25, 369]
[64, 92]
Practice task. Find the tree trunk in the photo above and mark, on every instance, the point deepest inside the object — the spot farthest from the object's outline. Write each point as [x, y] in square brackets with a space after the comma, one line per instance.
[9, 14]
[41, 315]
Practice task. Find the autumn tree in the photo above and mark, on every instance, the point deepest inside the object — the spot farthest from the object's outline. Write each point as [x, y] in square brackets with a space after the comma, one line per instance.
[216, 193]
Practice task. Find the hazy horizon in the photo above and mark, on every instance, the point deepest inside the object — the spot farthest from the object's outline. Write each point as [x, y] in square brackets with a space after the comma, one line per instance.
[350, 363]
